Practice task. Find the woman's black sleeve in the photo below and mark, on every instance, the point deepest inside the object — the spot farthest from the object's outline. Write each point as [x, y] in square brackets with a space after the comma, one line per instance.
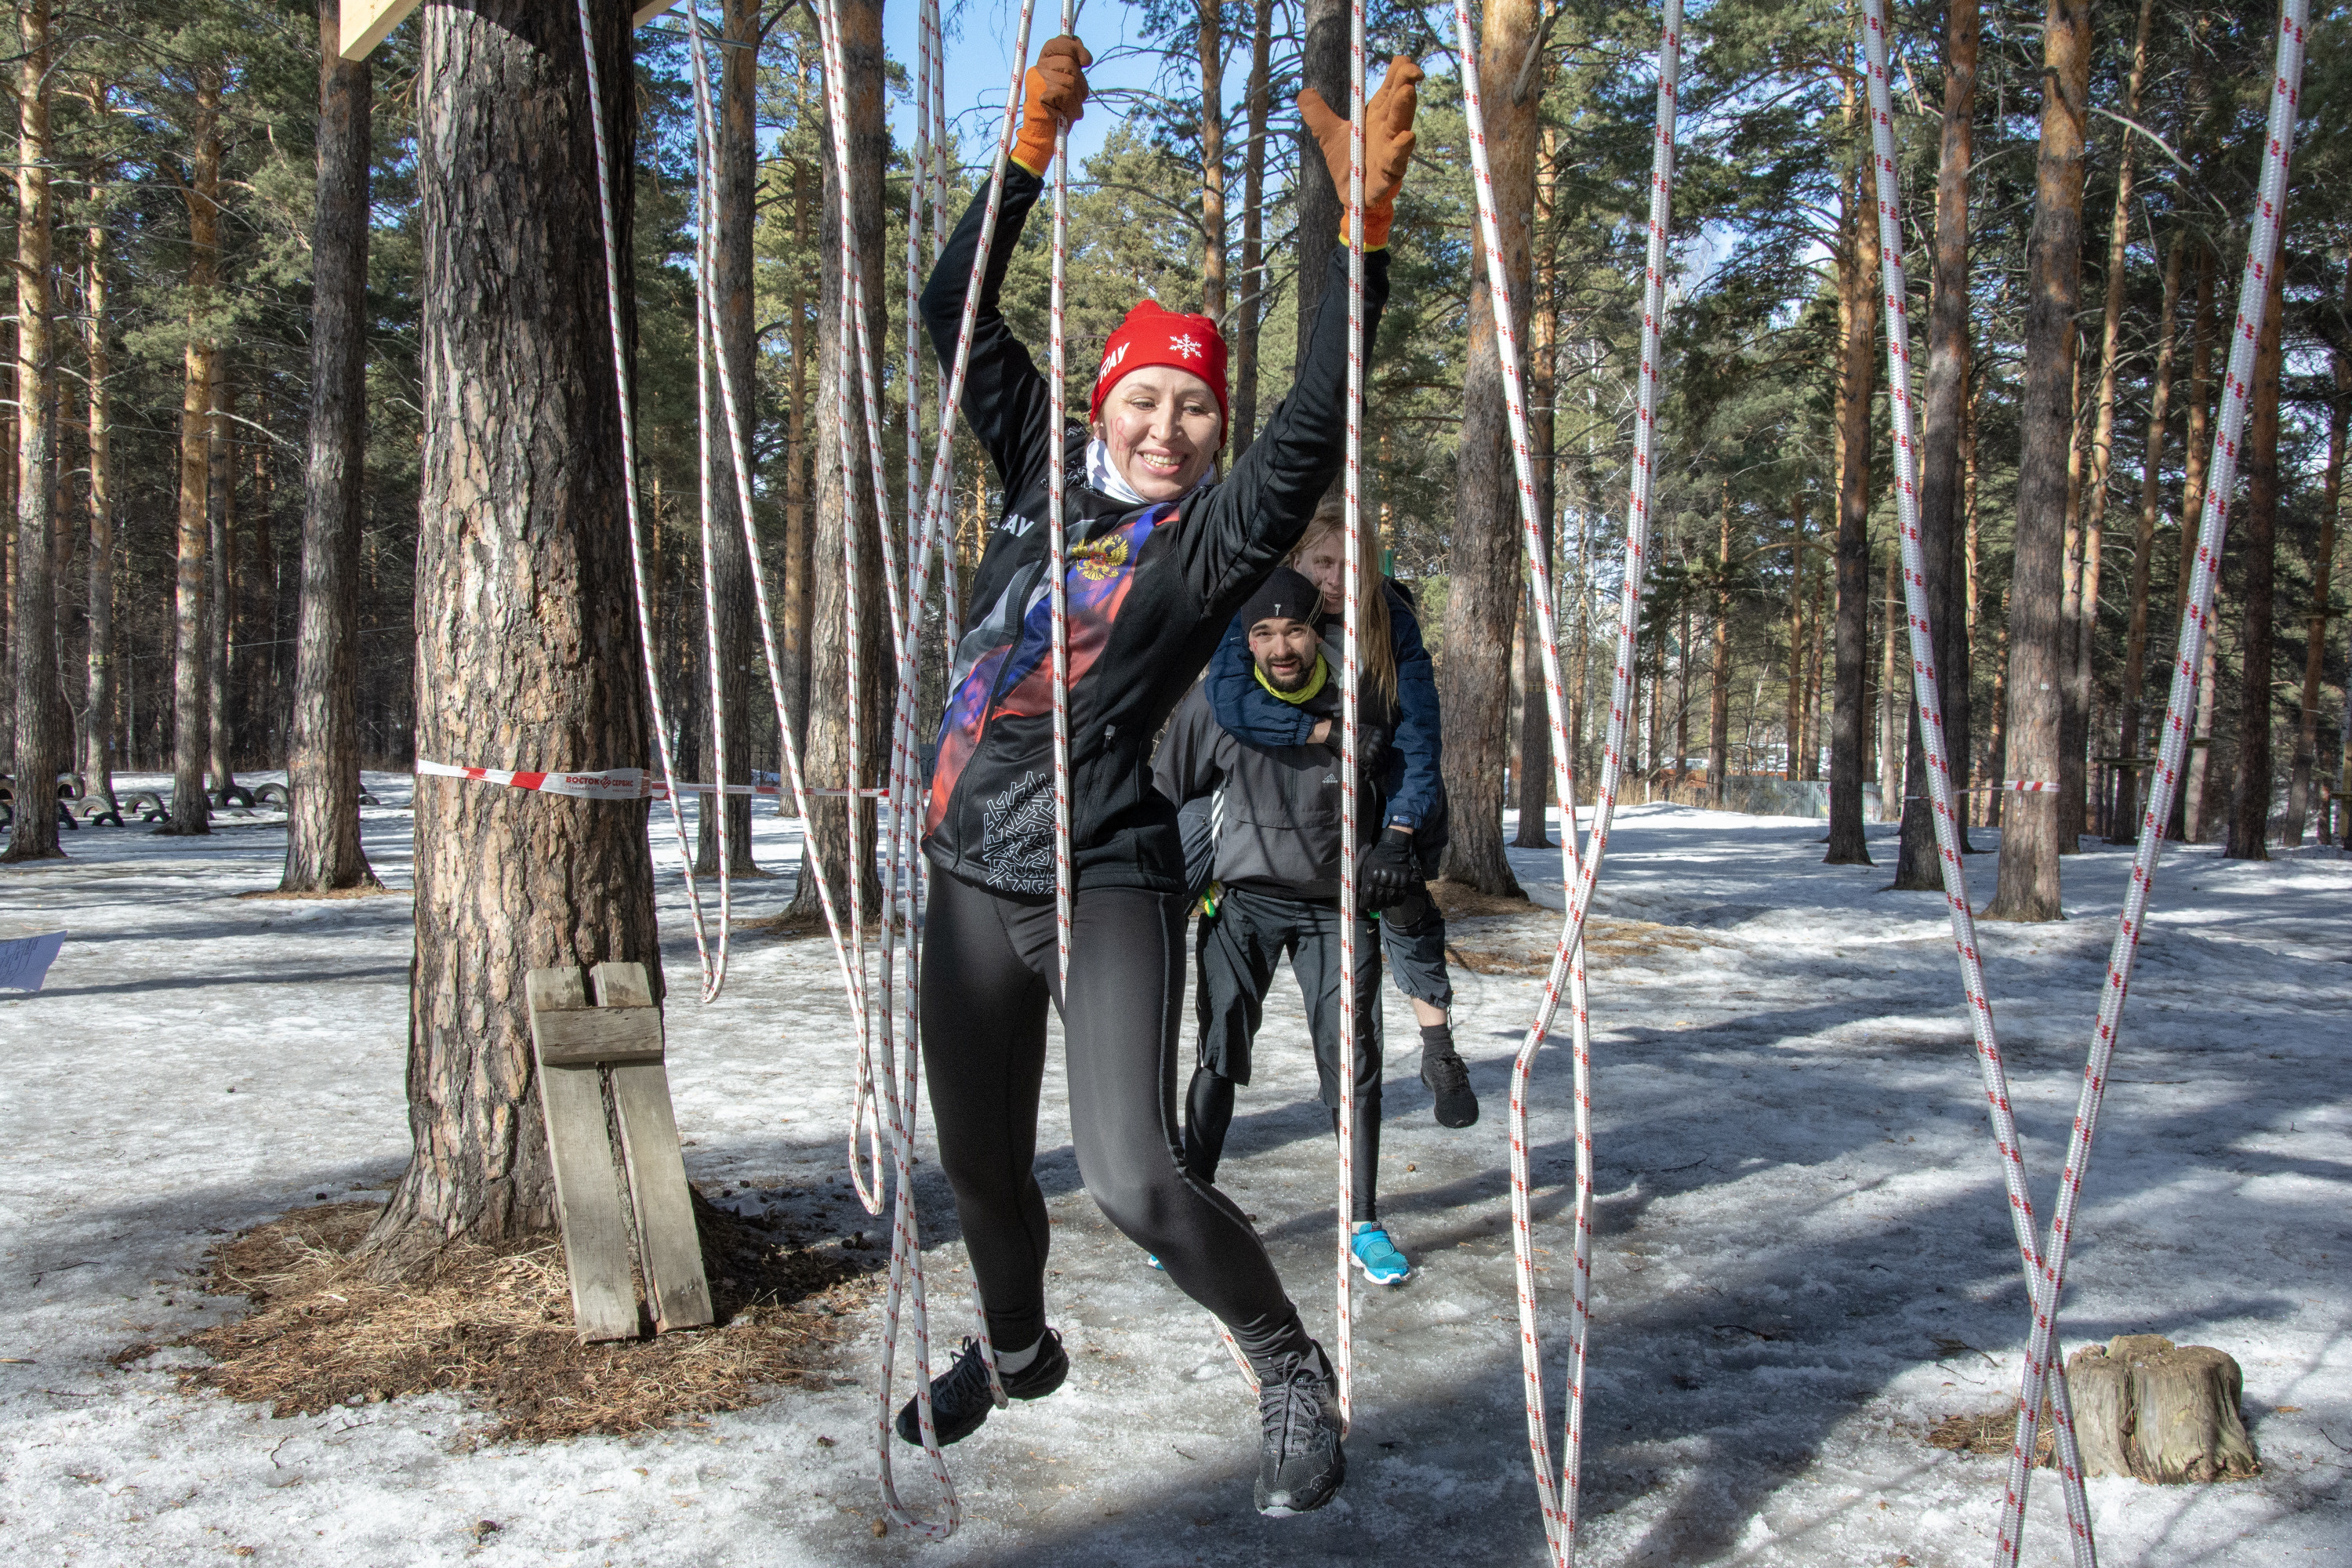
[1005, 399]
[1240, 530]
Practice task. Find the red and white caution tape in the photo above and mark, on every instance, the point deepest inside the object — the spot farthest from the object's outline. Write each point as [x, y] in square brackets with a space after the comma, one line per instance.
[1926, 686]
[2196, 627]
[1558, 1497]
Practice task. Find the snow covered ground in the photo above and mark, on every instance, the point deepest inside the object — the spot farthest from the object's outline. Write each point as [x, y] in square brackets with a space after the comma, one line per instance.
[1803, 1255]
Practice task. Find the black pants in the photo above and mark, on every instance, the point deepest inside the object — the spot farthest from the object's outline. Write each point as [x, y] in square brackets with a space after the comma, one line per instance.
[1413, 934]
[1238, 948]
[988, 976]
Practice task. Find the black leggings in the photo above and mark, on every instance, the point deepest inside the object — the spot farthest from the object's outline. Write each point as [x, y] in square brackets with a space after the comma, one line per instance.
[988, 976]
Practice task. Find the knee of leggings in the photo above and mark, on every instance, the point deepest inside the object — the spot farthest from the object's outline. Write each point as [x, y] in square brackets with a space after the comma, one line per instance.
[1141, 1197]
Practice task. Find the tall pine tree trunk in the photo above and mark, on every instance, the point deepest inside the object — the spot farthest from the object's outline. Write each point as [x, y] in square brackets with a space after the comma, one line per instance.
[798, 559]
[98, 756]
[1211, 40]
[1483, 566]
[2315, 653]
[1252, 311]
[1718, 694]
[840, 405]
[2125, 816]
[34, 627]
[731, 561]
[191, 718]
[1323, 66]
[1942, 547]
[2196, 458]
[220, 509]
[322, 765]
[2027, 888]
[1535, 707]
[1849, 720]
[2257, 530]
[2084, 633]
[526, 640]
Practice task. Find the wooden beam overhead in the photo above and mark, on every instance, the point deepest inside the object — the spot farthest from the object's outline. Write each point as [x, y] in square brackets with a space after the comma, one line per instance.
[365, 22]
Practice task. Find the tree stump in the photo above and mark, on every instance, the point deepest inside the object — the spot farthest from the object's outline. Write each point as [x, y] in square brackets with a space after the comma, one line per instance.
[2164, 1414]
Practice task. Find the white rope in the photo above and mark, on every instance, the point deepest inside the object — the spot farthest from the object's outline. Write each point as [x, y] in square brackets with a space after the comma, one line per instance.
[2196, 627]
[1057, 550]
[1558, 1498]
[1350, 611]
[1925, 684]
[624, 397]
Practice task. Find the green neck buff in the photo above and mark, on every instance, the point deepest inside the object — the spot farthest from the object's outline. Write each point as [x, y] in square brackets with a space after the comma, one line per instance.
[1314, 682]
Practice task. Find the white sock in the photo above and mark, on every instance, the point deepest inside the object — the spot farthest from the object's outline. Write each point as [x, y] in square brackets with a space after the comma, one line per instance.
[1011, 1361]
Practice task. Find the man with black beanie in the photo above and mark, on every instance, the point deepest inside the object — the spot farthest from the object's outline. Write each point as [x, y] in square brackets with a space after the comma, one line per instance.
[1274, 815]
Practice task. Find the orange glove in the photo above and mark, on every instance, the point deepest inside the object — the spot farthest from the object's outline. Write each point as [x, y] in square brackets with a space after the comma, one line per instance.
[1053, 94]
[1388, 145]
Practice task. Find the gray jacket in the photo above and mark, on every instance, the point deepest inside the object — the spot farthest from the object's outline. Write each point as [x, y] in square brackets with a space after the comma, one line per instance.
[1272, 812]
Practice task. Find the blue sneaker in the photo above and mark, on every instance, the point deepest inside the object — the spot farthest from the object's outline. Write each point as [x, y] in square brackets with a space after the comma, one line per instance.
[1377, 1255]
[1153, 1259]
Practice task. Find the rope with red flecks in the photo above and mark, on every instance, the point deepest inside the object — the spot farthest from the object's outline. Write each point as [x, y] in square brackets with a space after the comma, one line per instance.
[1558, 1498]
[2196, 627]
[1925, 684]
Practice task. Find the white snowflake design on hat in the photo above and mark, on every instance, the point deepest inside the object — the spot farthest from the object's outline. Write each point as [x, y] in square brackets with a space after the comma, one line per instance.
[1186, 344]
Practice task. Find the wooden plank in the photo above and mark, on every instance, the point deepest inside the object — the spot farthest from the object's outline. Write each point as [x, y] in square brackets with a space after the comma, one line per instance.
[667, 1246]
[364, 24]
[595, 1226]
[647, 11]
[595, 1035]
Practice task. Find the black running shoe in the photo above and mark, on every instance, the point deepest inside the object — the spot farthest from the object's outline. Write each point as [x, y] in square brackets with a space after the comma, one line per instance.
[1448, 1078]
[1300, 1460]
[960, 1396]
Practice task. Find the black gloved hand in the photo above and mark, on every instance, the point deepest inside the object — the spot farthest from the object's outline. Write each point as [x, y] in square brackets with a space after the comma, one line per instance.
[1390, 869]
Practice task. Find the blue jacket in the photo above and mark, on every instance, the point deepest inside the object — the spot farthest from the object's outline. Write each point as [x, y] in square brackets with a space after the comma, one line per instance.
[1412, 780]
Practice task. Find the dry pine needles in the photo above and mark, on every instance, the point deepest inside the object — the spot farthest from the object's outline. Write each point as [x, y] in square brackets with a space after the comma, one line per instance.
[495, 1328]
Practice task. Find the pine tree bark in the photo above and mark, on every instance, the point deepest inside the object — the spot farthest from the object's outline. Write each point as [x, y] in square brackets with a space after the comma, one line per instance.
[798, 561]
[34, 627]
[1797, 584]
[1535, 767]
[1211, 55]
[1849, 719]
[1475, 684]
[2125, 816]
[1892, 705]
[2256, 528]
[2314, 652]
[1252, 303]
[731, 561]
[2027, 887]
[840, 405]
[2084, 632]
[98, 757]
[322, 766]
[1942, 549]
[191, 719]
[526, 646]
[1718, 695]
[220, 510]
[1323, 66]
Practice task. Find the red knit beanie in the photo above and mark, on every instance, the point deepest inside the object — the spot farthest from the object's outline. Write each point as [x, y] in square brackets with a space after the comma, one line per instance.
[1154, 336]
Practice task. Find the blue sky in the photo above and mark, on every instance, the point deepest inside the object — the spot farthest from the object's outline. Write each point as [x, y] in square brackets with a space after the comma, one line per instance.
[979, 40]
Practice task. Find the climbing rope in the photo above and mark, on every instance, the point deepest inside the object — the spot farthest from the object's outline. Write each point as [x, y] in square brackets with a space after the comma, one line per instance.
[1057, 550]
[1925, 683]
[2196, 627]
[625, 394]
[1558, 1497]
[1350, 612]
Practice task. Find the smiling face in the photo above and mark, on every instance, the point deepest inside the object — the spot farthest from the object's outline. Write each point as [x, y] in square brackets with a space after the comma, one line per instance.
[1160, 427]
[1285, 651]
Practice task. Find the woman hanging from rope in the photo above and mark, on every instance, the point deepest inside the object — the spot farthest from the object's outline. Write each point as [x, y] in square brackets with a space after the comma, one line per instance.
[1160, 557]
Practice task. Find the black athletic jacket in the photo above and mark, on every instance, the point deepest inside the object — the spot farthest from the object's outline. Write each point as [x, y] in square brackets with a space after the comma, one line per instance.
[1151, 589]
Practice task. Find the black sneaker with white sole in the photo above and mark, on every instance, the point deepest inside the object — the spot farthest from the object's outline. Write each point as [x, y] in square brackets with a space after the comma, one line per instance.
[1448, 1078]
[1300, 1460]
[959, 1397]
